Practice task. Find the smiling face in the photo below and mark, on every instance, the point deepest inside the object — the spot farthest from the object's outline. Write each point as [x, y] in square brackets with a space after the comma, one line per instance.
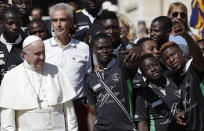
[158, 33]
[179, 13]
[35, 55]
[150, 47]
[61, 23]
[151, 69]
[111, 28]
[103, 50]
[174, 58]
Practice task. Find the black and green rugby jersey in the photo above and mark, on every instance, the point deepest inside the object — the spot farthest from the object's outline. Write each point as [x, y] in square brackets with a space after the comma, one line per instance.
[157, 106]
[192, 95]
[109, 116]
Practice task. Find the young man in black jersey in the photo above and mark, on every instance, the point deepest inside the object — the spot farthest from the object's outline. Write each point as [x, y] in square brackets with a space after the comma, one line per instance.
[147, 46]
[159, 98]
[108, 24]
[105, 111]
[187, 75]
[10, 41]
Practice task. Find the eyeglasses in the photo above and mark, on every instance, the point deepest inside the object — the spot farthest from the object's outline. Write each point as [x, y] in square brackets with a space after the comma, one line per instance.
[182, 14]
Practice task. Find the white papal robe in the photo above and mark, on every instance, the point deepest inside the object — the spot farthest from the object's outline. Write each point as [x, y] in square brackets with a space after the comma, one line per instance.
[23, 112]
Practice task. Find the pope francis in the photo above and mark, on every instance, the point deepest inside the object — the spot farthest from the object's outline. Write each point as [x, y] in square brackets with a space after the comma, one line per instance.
[36, 96]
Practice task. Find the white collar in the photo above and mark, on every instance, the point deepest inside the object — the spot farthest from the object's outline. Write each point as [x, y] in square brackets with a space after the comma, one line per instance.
[140, 72]
[185, 69]
[24, 29]
[110, 64]
[151, 85]
[28, 67]
[53, 42]
[162, 90]
[3, 40]
[85, 12]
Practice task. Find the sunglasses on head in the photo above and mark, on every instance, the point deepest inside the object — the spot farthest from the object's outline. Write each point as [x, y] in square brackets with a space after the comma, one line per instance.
[182, 14]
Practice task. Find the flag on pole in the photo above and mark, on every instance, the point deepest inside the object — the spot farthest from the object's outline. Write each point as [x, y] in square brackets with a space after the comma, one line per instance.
[197, 16]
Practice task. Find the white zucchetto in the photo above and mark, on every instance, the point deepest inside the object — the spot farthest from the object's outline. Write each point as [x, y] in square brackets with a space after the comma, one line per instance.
[30, 39]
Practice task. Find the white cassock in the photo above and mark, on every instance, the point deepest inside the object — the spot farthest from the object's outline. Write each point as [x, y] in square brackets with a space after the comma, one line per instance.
[22, 111]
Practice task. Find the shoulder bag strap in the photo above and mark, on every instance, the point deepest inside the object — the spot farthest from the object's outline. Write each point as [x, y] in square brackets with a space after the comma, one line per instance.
[118, 102]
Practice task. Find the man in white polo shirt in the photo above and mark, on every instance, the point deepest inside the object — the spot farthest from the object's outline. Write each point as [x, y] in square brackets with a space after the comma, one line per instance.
[70, 54]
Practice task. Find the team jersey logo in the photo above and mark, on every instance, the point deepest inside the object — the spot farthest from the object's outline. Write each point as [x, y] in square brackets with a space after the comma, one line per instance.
[116, 77]
[178, 93]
